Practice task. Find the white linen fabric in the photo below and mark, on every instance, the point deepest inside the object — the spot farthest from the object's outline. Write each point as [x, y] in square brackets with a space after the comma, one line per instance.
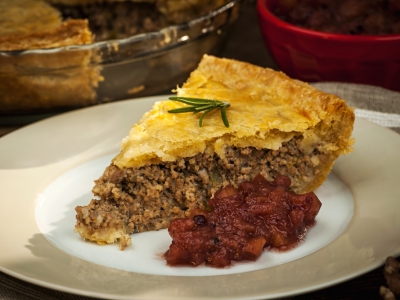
[375, 104]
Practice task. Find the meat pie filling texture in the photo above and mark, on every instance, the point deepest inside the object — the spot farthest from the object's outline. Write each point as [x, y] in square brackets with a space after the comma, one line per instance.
[147, 198]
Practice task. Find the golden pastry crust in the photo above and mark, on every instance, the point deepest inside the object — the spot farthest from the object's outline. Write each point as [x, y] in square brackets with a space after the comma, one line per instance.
[267, 109]
[22, 17]
[70, 32]
[38, 27]
[34, 81]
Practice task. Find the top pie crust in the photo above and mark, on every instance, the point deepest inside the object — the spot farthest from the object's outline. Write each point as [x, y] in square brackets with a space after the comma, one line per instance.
[38, 27]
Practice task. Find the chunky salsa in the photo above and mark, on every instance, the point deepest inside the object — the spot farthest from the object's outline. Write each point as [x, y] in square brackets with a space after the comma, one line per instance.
[241, 223]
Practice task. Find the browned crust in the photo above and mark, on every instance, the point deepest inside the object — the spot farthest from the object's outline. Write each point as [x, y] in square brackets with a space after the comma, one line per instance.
[71, 32]
[309, 101]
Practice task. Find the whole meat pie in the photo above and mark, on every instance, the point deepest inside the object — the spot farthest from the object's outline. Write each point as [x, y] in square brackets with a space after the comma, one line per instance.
[169, 165]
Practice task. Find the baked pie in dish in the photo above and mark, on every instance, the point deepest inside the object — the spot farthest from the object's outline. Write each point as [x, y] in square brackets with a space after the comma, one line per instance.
[58, 55]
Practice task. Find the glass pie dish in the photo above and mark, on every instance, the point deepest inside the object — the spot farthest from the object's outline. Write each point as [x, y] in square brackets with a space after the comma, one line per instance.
[44, 81]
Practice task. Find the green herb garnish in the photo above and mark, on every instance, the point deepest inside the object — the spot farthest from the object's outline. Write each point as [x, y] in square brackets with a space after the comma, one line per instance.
[200, 104]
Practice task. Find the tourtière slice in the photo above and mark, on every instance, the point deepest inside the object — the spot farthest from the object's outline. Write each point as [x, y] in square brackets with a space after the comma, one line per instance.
[169, 165]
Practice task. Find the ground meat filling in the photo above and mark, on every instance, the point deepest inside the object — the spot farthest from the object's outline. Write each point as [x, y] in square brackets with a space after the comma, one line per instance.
[148, 198]
[116, 20]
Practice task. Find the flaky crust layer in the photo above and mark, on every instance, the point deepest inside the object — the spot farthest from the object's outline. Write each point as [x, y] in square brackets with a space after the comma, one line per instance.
[70, 32]
[24, 17]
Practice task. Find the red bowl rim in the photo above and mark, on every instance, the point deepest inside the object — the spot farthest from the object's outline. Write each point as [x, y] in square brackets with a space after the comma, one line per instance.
[268, 15]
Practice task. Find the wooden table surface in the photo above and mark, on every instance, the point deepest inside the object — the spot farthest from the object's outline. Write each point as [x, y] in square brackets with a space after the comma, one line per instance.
[246, 44]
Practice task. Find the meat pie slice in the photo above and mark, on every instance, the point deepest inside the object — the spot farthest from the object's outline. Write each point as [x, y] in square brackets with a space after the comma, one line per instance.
[169, 165]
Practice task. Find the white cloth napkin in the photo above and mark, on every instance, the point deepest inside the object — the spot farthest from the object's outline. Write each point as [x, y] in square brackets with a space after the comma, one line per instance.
[375, 104]
[383, 119]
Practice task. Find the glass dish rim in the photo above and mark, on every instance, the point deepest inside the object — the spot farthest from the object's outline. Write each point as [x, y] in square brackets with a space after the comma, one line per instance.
[101, 45]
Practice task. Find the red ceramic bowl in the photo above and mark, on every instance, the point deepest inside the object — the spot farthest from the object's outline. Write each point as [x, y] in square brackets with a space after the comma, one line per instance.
[313, 56]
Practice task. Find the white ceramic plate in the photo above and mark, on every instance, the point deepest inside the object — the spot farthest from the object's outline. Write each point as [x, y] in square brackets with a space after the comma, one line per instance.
[39, 167]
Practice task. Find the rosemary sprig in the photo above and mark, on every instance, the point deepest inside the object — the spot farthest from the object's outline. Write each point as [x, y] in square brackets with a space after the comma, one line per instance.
[200, 104]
